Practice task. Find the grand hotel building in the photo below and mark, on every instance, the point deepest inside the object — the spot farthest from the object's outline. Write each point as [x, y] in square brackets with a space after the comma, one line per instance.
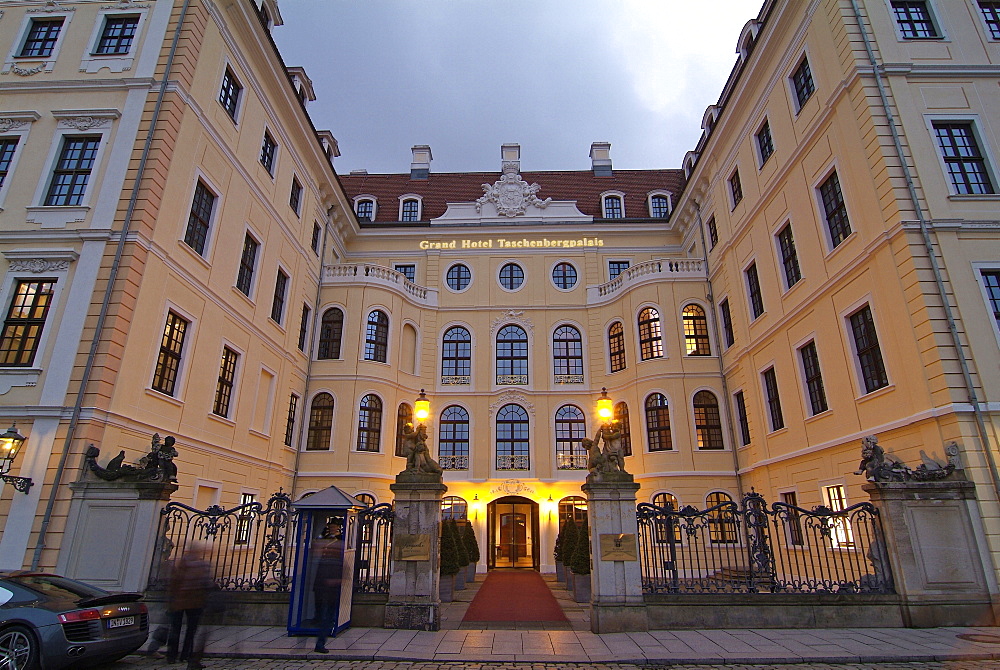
[180, 257]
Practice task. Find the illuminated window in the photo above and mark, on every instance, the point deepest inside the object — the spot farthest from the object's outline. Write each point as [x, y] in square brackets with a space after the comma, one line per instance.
[658, 423]
[22, 329]
[650, 337]
[696, 331]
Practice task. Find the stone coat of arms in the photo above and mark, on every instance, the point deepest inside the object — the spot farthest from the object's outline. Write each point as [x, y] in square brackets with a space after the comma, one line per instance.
[511, 195]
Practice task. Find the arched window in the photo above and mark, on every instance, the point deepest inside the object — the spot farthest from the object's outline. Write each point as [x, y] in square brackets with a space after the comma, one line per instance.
[512, 356]
[696, 331]
[411, 210]
[616, 346]
[658, 422]
[571, 428]
[572, 508]
[369, 423]
[650, 337]
[320, 423]
[666, 501]
[567, 355]
[366, 499]
[512, 438]
[377, 336]
[404, 415]
[331, 332]
[707, 422]
[721, 522]
[621, 416]
[453, 507]
[659, 207]
[456, 353]
[453, 439]
[366, 210]
[613, 207]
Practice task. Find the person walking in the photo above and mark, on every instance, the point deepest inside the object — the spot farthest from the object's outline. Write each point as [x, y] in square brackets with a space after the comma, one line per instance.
[190, 583]
[326, 585]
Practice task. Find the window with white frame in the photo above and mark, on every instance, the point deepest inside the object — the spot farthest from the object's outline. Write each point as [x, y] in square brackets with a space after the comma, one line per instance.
[8, 146]
[963, 159]
[25, 321]
[225, 382]
[168, 361]
[320, 423]
[842, 536]
[742, 419]
[650, 334]
[616, 346]
[707, 421]
[117, 35]
[244, 521]
[409, 210]
[765, 145]
[802, 83]
[42, 37]
[735, 187]
[268, 150]
[914, 20]
[789, 256]
[659, 206]
[370, 423]
[613, 206]
[365, 209]
[293, 405]
[990, 10]
[867, 349]
[295, 196]
[813, 377]
[248, 265]
[114, 39]
[754, 295]
[834, 210]
[773, 399]
[200, 218]
[408, 270]
[696, 342]
[72, 171]
[37, 46]
[280, 296]
[658, 423]
[615, 268]
[377, 337]
[567, 355]
[230, 94]
[454, 438]
[991, 287]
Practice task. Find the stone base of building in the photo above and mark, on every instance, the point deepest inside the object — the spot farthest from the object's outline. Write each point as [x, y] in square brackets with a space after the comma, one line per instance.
[934, 612]
[774, 611]
[413, 616]
[618, 618]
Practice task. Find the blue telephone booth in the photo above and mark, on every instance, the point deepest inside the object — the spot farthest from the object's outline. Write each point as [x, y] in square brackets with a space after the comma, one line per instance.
[325, 542]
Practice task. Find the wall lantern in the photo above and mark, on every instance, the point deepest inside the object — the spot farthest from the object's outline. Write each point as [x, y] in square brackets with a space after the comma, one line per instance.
[605, 409]
[10, 445]
[422, 407]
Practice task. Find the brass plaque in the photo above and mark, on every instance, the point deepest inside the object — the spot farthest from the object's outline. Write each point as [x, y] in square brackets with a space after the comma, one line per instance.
[412, 548]
[619, 547]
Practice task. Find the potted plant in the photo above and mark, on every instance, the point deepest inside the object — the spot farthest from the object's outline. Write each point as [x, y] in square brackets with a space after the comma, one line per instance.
[472, 546]
[568, 547]
[581, 565]
[461, 553]
[449, 564]
[558, 557]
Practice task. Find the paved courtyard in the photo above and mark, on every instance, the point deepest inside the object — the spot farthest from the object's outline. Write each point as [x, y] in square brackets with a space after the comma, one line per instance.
[266, 664]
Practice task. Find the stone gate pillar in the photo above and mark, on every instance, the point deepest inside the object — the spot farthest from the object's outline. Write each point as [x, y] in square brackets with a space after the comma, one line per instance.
[616, 581]
[414, 603]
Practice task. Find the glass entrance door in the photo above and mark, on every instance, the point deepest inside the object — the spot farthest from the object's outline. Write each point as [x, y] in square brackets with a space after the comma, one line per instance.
[513, 528]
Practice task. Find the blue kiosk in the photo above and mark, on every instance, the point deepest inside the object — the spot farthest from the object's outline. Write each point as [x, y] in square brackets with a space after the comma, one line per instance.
[323, 582]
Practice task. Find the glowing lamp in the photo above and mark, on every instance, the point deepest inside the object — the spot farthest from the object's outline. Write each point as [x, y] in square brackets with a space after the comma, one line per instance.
[10, 445]
[605, 410]
[422, 407]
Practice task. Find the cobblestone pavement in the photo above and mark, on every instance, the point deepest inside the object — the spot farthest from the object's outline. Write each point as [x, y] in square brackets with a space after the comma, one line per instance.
[136, 661]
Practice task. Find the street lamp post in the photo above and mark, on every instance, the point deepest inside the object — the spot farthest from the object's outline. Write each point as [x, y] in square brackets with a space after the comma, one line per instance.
[421, 407]
[605, 408]
[10, 445]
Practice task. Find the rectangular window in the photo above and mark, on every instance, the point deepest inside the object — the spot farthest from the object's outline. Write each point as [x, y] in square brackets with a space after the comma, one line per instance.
[365, 210]
[411, 210]
[41, 39]
[22, 329]
[764, 142]
[293, 403]
[409, 271]
[280, 292]
[244, 522]
[72, 172]
[793, 524]
[753, 291]
[965, 162]
[868, 351]
[713, 233]
[615, 268]
[248, 263]
[168, 362]
[736, 188]
[789, 257]
[773, 399]
[295, 195]
[314, 242]
[117, 35]
[835, 210]
[7, 147]
[304, 327]
[913, 19]
[727, 323]
[802, 82]
[814, 378]
[224, 386]
[229, 95]
[201, 215]
[267, 150]
[991, 281]
[991, 14]
[741, 415]
[836, 499]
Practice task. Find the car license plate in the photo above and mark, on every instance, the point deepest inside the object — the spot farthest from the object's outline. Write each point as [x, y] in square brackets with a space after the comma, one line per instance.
[121, 621]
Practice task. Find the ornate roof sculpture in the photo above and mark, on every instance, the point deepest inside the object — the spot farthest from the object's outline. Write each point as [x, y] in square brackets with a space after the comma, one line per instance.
[510, 194]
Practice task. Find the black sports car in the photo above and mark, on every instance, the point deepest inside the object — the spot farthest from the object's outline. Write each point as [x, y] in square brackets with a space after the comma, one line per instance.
[52, 622]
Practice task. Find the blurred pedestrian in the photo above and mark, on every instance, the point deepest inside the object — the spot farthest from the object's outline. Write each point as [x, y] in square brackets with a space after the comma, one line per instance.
[329, 553]
[190, 584]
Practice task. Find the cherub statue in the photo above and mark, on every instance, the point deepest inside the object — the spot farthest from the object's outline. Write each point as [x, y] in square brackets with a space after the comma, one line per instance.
[418, 456]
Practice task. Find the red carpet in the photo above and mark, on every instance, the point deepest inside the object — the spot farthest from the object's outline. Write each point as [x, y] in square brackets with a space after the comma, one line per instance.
[520, 595]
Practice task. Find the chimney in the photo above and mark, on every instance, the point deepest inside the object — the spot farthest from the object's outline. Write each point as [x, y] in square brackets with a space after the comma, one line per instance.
[600, 159]
[510, 158]
[420, 168]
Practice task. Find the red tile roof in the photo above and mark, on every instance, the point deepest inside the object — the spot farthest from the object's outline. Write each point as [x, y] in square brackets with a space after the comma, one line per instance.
[581, 186]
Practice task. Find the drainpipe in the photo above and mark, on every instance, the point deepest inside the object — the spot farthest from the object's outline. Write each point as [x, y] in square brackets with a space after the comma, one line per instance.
[718, 343]
[108, 291]
[931, 254]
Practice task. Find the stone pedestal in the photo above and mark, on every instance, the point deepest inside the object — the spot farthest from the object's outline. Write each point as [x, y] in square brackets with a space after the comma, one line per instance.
[934, 539]
[617, 604]
[111, 532]
[413, 588]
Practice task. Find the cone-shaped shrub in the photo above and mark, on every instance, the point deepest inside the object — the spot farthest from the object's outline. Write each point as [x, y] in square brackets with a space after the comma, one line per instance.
[557, 550]
[569, 542]
[463, 553]
[449, 553]
[471, 544]
[581, 552]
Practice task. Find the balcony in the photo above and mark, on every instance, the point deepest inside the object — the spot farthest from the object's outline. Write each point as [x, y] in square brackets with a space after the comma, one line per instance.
[456, 380]
[669, 269]
[453, 462]
[378, 275]
[519, 462]
[571, 461]
[512, 380]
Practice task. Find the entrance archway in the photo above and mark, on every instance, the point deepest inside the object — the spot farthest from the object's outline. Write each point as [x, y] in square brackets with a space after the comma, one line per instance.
[513, 533]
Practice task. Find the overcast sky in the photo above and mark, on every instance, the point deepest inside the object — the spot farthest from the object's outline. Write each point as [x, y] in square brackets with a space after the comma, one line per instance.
[465, 76]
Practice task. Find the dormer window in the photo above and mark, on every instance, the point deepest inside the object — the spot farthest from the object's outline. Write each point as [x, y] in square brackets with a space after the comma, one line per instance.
[748, 38]
[659, 206]
[409, 210]
[614, 206]
[365, 209]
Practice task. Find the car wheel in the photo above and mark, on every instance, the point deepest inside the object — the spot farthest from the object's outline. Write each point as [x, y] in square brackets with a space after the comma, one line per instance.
[18, 649]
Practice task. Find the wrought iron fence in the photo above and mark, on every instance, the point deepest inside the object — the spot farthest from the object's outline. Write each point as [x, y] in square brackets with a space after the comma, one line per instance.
[373, 562]
[752, 549]
[249, 547]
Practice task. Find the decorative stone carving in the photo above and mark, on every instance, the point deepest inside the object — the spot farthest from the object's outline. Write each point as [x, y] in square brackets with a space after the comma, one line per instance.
[508, 397]
[511, 316]
[418, 456]
[82, 123]
[125, 4]
[510, 194]
[156, 466]
[877, 467]
[512, 487]
[38, 265]
[8, 124]
[27, 72]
